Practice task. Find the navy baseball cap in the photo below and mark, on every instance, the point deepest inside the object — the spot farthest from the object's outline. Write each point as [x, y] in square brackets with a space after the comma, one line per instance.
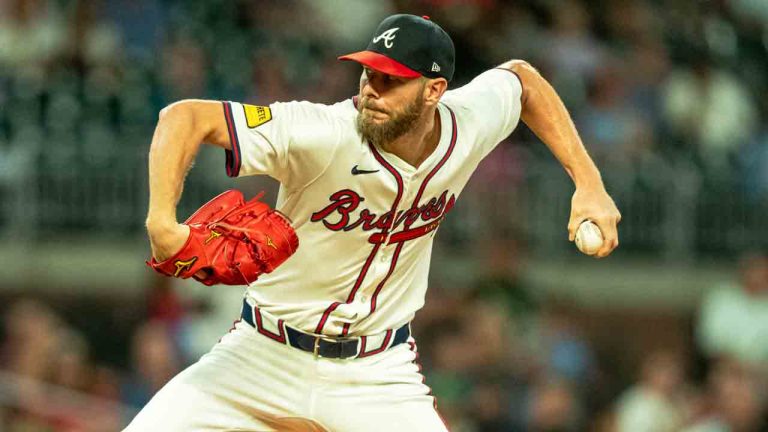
[409, 46]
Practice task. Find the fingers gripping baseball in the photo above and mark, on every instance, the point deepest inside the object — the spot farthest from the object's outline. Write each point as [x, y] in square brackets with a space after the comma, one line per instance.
[598, 207]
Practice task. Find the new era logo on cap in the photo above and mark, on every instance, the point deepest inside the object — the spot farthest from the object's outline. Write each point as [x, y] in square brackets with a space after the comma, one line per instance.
[435, 67]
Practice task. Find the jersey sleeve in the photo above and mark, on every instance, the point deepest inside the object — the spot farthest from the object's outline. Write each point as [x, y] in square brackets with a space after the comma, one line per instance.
[292, 142]
[491, 105]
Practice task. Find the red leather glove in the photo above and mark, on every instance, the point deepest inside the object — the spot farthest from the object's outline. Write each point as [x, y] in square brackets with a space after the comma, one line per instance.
[232, 241]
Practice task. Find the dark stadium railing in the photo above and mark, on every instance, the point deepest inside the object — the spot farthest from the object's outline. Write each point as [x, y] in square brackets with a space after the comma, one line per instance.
[679, 216]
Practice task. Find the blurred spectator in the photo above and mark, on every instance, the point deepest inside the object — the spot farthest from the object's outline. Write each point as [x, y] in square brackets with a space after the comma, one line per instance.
[753, 165]
[609, 123]
[448, 369]
[752, 9]
[490, 401]
[347, 25]
[32, 34]
[733, 320]
[500, 281]
[646, 67]
[334, 83]
[657, 402]
[184, 70]
[474, 387]
[554, 407]
[164, 304]
[94, 41]
[72, 368]
[572, 53]
[155, 362]
[269, 79]
[484, 202]
[142, 25]
[711, 109]
[737, 400]
[632, 23]
[560, 344]
[47, 376]
[511, 30]
[31, 330]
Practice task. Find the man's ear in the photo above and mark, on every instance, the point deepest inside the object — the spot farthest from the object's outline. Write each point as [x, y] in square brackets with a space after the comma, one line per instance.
[434, 90]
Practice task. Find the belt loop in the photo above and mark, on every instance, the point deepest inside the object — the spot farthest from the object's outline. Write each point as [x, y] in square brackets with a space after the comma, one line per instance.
[316, 349]
[360, 347]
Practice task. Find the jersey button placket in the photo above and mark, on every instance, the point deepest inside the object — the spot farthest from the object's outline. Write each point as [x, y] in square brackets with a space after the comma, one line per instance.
[385, 254]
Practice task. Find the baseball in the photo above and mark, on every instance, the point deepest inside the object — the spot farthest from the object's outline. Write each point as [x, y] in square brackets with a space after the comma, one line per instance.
[589, 238]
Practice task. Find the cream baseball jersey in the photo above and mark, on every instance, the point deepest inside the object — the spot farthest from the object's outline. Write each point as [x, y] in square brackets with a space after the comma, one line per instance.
[365, 218]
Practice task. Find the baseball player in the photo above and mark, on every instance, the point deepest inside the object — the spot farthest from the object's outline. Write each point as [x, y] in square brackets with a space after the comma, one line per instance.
[324, 341]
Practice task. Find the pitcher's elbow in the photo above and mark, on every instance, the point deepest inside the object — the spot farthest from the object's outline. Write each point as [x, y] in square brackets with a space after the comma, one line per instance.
[174, 108]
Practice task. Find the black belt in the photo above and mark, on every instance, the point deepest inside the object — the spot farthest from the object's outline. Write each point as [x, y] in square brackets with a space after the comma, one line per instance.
[327, 347]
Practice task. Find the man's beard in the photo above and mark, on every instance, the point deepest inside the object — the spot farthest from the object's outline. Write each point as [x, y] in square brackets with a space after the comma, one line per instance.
[399, 122]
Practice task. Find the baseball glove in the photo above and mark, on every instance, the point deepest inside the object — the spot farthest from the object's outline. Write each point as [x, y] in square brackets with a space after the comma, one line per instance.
[231, 242]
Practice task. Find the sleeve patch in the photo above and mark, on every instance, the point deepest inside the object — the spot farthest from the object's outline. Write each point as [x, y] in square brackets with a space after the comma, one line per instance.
[256, 115]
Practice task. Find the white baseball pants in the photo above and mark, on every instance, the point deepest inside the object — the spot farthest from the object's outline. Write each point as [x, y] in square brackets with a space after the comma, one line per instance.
[249, 382]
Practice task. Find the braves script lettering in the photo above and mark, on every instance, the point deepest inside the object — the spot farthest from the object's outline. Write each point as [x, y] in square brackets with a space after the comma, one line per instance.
[337, 216]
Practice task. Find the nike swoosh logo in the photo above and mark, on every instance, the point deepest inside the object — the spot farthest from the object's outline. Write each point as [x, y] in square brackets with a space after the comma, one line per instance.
[356, 171]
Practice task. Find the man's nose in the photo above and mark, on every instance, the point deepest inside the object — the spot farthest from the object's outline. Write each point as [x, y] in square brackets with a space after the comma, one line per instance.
[368, 90]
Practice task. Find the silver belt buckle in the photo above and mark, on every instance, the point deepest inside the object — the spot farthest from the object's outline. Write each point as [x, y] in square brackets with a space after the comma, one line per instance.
[316, 347]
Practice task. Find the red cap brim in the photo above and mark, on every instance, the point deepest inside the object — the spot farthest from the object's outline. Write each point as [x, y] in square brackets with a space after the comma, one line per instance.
[381, 63]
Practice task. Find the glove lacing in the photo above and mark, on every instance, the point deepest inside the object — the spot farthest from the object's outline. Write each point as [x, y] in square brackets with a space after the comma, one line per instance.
[230, 230]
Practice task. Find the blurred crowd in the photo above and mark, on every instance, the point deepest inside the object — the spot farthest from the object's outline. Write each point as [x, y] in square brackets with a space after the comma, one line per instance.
[501, 360]
[663, 92]
[666, 93]
[53, 378]
[643, 78]
[497, 357]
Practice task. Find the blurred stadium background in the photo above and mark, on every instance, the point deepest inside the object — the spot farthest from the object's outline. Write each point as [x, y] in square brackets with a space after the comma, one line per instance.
[520, 332]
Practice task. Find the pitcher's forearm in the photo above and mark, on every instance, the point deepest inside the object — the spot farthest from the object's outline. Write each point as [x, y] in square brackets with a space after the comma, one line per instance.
[175, 144]
[545, 114]
[181, 129]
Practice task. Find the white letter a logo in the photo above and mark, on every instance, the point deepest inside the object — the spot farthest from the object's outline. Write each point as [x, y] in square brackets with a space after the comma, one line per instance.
[388, 37]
